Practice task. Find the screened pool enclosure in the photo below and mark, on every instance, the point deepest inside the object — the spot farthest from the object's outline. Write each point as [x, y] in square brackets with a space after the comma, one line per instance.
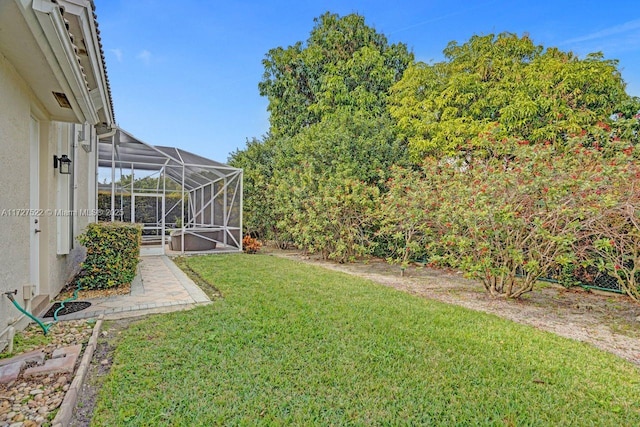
[184, 202]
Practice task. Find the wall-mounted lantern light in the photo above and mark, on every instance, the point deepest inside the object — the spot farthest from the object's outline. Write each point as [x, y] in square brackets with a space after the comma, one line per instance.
[63, 163]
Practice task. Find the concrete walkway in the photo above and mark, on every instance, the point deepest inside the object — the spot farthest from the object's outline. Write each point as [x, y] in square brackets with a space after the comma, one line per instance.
[159, 287]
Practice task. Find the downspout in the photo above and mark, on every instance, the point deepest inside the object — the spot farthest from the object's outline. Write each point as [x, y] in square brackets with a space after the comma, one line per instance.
[111, 135]
[107, 135]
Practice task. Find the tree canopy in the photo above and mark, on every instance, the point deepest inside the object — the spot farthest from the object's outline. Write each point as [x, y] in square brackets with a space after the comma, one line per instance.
[329, 118]
[344, 65]
[549, 139]
[503, 86]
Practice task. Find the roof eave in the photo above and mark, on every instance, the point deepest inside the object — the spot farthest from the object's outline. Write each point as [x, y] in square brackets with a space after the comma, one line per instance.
[48, 27]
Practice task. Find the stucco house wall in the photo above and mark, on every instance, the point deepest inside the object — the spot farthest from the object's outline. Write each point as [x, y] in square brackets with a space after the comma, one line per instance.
[54, 100]
[14, 178]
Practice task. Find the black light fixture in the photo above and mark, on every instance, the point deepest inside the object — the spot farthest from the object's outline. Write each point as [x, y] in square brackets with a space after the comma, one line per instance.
[63, 163]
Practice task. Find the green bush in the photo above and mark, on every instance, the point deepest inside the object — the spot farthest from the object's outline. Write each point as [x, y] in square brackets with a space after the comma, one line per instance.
[147, 208]
[113, 249]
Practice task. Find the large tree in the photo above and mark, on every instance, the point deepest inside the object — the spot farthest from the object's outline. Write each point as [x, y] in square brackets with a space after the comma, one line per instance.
[331, 131]
[344, 64]
[498, 86]
[257, 161]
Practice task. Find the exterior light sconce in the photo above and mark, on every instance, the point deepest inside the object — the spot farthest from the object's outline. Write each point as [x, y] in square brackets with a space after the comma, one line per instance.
[63, 164]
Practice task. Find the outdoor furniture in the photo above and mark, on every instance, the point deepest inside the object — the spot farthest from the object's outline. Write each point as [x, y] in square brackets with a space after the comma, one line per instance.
[194, 239]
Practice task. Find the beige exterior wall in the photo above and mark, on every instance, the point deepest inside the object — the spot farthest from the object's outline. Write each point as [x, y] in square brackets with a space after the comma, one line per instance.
[73, 202]
[14, 179]
[63, 199]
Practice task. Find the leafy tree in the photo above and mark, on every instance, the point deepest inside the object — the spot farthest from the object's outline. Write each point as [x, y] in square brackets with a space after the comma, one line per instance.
[335, 220]
[344, 64]
[350, 153]
[503, 86]
[281, 175]
[329, 124]
[349, 145]
[257, 160]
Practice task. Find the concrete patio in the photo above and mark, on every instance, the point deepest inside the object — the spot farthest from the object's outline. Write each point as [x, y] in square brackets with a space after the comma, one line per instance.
[159, 287]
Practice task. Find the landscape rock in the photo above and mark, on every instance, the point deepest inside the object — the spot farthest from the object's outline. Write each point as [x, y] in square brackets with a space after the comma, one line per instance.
[9, 373]
[29, 402]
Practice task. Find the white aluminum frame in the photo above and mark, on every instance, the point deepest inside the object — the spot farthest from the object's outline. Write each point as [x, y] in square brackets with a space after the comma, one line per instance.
[206, 187]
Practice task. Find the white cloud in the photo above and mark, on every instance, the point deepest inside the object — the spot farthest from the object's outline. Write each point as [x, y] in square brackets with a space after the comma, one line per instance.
[445, 16]
[607, 32]
[144, 56]
[117, 53]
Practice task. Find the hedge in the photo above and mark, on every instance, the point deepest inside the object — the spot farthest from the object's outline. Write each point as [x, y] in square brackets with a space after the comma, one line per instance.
[113, 250]
[146, 208]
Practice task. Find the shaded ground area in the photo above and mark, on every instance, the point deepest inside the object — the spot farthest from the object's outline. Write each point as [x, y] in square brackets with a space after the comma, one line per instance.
[99, 368]
[610, 322]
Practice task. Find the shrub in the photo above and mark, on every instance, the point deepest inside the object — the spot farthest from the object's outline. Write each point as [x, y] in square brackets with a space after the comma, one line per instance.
[508, 220]
[250, 245]
[336, 219]
[611, 234]
[112, 254]
[404, 216]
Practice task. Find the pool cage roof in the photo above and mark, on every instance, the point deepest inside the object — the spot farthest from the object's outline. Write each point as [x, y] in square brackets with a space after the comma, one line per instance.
[211, 200]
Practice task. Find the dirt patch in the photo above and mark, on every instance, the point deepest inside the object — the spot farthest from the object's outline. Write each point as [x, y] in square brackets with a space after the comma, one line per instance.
[212, 292]
[98, 369]
[610, 322]
[68, 292]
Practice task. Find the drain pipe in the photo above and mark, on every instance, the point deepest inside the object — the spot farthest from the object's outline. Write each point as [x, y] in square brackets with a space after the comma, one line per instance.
[10, 295]
[107, 134]
[11, 335]
[111, 134]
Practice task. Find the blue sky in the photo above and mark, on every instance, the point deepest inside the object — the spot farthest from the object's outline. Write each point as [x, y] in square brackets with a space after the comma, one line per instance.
[185, 73]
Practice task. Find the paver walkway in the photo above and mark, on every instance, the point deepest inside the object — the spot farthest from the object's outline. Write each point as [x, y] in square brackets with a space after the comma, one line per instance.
[159, 287]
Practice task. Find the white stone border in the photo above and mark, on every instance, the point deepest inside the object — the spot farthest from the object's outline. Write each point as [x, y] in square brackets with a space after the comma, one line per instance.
[65, 413]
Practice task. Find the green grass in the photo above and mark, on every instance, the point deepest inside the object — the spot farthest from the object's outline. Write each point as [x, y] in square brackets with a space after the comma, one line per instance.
[292, 344]
[26, 341]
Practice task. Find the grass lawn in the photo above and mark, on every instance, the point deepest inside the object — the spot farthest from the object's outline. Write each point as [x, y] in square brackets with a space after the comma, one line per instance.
[293, 344]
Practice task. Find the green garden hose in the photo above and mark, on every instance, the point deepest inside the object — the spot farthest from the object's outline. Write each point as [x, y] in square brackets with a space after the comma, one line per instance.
[45, 328]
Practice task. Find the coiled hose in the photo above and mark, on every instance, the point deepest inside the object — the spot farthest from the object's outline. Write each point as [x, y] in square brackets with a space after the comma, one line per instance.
[45, 327]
